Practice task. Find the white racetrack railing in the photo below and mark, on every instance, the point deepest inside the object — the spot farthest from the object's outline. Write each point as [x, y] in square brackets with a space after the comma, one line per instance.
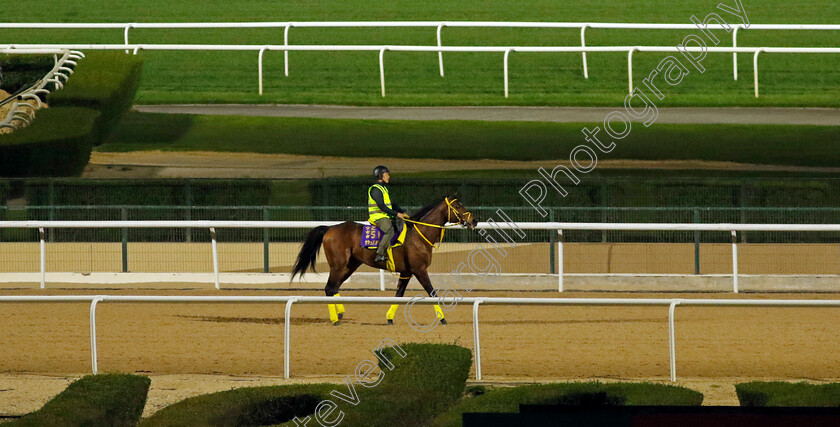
[289, 300]
[438, 25]
[559, 227]
[506, 50]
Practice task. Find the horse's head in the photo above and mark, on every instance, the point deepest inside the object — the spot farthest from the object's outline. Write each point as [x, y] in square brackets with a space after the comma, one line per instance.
[459, 214]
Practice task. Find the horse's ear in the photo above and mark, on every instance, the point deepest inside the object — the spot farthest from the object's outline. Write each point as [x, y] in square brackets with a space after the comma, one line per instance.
[454, 195]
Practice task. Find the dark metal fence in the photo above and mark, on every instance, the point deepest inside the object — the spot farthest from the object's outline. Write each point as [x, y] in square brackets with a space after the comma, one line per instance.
[593, 192]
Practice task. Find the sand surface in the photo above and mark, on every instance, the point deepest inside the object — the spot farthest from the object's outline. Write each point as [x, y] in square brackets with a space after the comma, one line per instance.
[196, 348]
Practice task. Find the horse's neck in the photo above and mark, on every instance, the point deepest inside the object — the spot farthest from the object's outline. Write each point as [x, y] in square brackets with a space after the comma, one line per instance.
[435, 216]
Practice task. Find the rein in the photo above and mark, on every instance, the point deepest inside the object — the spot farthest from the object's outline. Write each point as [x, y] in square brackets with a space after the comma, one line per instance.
[449, 211]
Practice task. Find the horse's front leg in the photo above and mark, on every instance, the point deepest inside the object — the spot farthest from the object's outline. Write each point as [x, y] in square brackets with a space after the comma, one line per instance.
[401, 285]
[423, 277]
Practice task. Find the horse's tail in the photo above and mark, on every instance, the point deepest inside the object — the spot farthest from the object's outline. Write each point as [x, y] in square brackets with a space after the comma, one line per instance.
[309, 252]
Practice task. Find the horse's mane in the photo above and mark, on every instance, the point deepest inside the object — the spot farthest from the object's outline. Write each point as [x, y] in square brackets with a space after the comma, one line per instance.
[426, 209]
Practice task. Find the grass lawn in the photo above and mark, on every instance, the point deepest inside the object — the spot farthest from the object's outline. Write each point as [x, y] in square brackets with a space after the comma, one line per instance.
[471, 78]
[760, 144]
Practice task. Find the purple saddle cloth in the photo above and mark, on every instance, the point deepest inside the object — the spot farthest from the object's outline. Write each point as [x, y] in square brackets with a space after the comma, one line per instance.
[371, 235]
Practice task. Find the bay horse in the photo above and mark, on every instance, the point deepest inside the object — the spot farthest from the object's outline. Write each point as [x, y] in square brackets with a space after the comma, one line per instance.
[342, 246]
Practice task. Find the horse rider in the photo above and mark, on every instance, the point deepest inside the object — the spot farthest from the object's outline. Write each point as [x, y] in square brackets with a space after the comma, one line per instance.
[384, 213]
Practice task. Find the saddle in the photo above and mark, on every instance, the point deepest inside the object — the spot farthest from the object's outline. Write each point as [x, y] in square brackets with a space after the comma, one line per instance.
[371, 235]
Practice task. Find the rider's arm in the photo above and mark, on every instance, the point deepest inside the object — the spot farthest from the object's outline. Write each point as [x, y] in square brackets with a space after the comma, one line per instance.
[397, 207]
[376, 195]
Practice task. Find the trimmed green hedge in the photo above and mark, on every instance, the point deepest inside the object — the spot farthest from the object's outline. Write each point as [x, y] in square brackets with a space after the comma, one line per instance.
[243, 407]
[103, 81]
[57, 143]
[779, 393]
[21, 71]
[95, 400]
[507, 400]
[82, 114]
[422, 384]
[427, 381]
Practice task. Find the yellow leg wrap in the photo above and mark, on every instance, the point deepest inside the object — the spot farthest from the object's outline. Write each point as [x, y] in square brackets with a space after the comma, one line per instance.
[339, 307]
[438, 312]
[391, 312]
[333, 314]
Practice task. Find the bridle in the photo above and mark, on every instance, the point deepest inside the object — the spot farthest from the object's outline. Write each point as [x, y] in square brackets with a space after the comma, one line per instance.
[449, 211]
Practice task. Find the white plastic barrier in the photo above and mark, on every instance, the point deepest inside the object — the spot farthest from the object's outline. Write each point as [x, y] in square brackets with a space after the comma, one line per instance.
[506, 50]
[559, 227]
[289, 300]
[438, 25]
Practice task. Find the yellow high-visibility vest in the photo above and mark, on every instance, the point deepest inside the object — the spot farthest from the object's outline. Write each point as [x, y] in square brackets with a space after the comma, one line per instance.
[373, 209]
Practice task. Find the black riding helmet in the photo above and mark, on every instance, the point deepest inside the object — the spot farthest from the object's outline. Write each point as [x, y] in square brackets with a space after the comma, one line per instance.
[379, 171]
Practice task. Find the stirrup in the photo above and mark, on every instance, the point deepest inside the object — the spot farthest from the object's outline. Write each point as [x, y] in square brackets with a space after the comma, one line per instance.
[380, 258]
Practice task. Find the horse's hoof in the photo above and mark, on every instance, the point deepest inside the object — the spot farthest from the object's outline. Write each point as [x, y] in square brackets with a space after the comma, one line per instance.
[442, 321]
[340, 316]
[390, 322]
[336, 323]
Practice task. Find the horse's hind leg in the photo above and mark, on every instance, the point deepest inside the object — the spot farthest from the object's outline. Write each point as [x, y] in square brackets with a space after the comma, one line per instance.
[337, 276]
[331, 289]
[351, 268]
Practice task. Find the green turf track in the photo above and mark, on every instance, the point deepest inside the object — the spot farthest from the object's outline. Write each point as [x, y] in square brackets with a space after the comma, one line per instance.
[471, 78]
[471, 140]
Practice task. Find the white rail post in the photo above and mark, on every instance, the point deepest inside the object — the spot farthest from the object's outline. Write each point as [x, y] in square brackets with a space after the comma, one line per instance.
[583, 44]
[94, 365]
[734, 262]
[440, 54]
[560, 260]
[507, 55]
[735, 54]
[43, 251]
[755, 70]
[127, 27]
[630, 67]
[382, 70]
[672, 341]
[287, 326]
[136, 49]
[286, 52]
[260, 68]
[476, 342]
[381, 279]
[215, 256]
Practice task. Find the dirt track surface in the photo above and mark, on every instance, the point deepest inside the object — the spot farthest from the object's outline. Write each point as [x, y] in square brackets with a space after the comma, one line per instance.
[781, 116]
[516, 342]
[519, 344]
[203, 164]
